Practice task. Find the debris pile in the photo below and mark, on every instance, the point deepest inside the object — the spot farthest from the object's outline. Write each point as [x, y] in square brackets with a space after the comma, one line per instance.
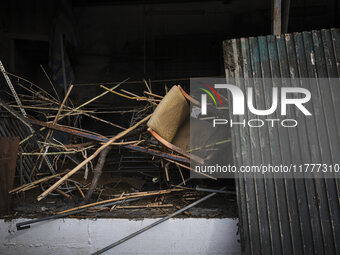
[137, 168]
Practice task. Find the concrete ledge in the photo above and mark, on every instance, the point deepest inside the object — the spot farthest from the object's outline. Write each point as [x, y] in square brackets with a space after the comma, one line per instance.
[74, 236]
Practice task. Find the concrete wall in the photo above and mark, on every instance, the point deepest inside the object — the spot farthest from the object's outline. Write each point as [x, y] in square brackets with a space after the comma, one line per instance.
[74, 236]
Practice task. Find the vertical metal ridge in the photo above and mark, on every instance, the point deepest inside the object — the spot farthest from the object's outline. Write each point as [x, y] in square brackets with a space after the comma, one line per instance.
[335, 39]
[240, 71]
[320, 184]
[285, 236]
[294, 153]
[247, 72]
[328, 154]
[238, 142]
[260, 188]
[312, 139]
[299, 184]
[273, 219]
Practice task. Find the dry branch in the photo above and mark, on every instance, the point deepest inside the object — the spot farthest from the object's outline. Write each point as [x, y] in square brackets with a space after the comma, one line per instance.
[97, 172]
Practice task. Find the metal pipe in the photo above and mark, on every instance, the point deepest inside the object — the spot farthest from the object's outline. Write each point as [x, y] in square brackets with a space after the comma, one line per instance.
[277, 17]
[230, 192]
[155, 224]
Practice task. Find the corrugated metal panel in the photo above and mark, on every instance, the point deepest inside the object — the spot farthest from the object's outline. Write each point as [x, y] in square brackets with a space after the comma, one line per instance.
[288, 216]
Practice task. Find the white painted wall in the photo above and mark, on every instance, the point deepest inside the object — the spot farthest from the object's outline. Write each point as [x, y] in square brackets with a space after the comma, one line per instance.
[74, 236]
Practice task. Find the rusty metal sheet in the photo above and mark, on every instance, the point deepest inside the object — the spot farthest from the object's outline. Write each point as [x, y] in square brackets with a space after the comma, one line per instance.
[8, 157]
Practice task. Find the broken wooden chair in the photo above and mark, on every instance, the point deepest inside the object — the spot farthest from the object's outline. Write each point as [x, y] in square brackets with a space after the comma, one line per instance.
[170, 122]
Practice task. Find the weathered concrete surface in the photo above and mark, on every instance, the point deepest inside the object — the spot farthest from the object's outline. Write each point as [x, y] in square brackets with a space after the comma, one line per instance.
[73, 236]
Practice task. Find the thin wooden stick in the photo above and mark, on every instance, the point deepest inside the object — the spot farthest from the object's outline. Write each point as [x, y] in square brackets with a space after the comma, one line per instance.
[160, 192]
[147, 86]
[143, 206]
[29, 82]
[28, 188]
[35, 107]
[130, 93]
[180, 171]
[152, 94]
[104, 121]
[138, 98]
[53, 153]
[80, 191]
[120, 94]
[62, 104]
[48, 78]
[50, 132]
[80, 106]
[18, 189]
[113, 207]
[166, 169]
[135, 82]
[210, 145]
[64, 194]
[89, 115]
[102, 94]
[191, 169]
[77, 168]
